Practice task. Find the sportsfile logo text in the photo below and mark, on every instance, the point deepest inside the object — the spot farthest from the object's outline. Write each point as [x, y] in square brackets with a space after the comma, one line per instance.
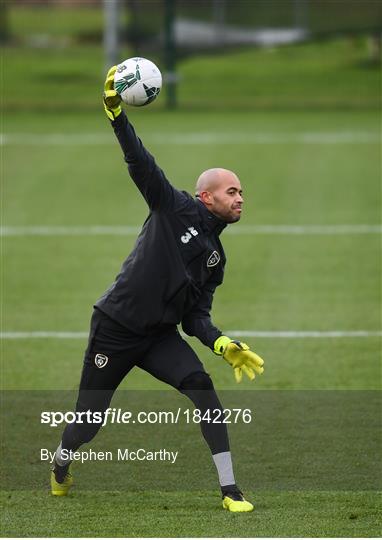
[118, 416]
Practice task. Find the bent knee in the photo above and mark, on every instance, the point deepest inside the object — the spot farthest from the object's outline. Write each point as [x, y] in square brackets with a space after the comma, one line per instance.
[199, 380]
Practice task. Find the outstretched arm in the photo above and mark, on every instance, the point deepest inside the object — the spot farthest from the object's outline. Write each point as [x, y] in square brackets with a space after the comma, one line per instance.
[148, 177]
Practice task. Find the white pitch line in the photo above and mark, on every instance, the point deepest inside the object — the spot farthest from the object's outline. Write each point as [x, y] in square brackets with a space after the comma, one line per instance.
[284, 334]
[305, 229]
[43, 335]
[133, 230]
[52, 230]
[192, 138]
[295, 334]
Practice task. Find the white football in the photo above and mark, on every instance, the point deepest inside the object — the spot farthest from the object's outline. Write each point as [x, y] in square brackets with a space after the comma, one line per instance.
[138, 81]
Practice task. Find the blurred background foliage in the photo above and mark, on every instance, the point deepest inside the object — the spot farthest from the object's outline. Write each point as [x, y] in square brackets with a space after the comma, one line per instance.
[53, 55]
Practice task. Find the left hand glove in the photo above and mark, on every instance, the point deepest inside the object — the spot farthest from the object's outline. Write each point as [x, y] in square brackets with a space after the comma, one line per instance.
[240, 357]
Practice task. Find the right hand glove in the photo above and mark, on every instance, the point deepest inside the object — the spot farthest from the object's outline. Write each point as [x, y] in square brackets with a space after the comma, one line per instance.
[240, 357]
[111, 99]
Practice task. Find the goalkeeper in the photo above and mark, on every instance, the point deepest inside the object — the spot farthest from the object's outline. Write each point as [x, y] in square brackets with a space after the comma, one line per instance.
[168, 279]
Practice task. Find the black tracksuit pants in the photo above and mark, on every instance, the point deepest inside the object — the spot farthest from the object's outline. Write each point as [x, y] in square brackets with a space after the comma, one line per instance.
[113, 351]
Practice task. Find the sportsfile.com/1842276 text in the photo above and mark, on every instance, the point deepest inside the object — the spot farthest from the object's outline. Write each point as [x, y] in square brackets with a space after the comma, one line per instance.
[120, 416]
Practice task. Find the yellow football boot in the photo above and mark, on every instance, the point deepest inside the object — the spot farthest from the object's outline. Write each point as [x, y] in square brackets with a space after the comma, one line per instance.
[61, 480]
[235, 502]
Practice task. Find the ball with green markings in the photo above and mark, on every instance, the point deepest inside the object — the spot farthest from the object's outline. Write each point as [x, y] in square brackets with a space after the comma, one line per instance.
[138, 81]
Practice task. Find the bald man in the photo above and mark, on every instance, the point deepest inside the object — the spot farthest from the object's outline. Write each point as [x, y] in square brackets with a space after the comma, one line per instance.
[220, 191]
[168, 279]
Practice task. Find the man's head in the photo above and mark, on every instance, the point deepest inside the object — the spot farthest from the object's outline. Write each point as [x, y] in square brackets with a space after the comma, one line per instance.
[220, 191]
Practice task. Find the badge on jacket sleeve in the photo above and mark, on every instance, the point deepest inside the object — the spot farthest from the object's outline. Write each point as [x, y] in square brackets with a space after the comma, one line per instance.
[213, 259]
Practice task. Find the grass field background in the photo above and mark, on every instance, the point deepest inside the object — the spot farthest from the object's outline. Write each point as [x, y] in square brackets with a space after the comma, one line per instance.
[307, 150]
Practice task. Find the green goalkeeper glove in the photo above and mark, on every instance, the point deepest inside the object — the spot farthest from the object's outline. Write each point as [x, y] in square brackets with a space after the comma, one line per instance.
[111, 99]
[239, 356]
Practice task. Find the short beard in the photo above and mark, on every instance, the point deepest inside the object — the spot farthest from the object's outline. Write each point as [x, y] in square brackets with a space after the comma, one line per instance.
[233, 220]
[225, 218]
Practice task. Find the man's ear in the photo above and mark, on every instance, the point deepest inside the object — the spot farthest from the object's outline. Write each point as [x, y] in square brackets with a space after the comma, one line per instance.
[206, 197]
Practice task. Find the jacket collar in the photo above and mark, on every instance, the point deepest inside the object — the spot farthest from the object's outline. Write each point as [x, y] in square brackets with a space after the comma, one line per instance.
[210, 222]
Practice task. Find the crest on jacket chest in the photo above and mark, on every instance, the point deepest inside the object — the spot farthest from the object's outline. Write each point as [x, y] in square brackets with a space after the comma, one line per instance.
[213, 259]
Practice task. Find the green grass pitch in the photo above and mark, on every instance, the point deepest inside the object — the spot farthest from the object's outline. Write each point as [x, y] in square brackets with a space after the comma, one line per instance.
[309, 168]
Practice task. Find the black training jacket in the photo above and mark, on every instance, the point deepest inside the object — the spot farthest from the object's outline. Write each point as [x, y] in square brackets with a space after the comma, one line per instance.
[177, 261]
